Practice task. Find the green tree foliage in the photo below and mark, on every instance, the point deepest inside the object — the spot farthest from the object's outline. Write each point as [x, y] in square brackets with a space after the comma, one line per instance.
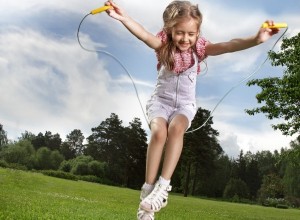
[75, 141]
[43, 156]
[291, 176]
[252, 177]
[21, 153]
[220, 177]
[79, 165]
[281, 96]
[47, 159]
[272, 187]
[236, 188]
[38, 141]
[3, 136]
[49, 140]
[52, 141]
[108, 139]
[67, 151]
[84, 165]
[135, 154]
[27, 135]
[97, 168]
[122, 148]
[266, 163]
[56, 159]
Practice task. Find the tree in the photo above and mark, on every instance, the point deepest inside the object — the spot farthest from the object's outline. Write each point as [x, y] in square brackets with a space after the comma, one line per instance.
[21, 152]
[281, 96]
[39, 141]
[291, 176]
[47, 159]
[134, 159]
[266, 163]
[52, 141]
[123, 149]
[272, 187]
[108, 142]
[49, 140]
[75, 140]
[56, 159]
[27, 135]
[3, 136]
[253, 179]
[67, 150]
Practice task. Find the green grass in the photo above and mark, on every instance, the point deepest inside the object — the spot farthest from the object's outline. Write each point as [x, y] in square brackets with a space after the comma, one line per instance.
[26, 195]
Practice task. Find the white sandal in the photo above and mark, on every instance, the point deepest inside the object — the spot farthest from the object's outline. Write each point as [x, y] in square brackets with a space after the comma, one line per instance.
[157, 199]
[142, 214]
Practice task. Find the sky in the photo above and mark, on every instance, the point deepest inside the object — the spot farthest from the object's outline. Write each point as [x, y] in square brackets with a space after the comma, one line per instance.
[49, 83]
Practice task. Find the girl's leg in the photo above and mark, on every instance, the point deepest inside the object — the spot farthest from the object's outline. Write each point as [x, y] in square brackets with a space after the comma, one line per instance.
[157, 142]
[154, 154]
[174, 145]
[157, 199]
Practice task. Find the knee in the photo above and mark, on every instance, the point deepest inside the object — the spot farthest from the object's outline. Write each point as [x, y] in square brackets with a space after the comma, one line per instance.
[176, 130]
[159, 136]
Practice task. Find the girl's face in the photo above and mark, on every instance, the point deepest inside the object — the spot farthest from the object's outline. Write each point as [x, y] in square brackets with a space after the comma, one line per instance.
[185, 34]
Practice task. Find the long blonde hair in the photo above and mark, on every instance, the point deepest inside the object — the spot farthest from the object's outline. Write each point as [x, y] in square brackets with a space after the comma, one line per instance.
[173, 14]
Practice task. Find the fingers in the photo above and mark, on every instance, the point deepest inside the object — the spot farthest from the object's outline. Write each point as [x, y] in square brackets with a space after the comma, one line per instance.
[271, 31]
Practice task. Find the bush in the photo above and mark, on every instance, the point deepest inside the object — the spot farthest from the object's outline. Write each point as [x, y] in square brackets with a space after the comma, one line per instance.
[65, 166]
[3, 163]
[60, 174]
[293, 201]
[17, 166]
[272, 187]
[80, 168]
[275, 202]
[236, 189]
[90, 178]
[280, 206]
[56, 159]
[43, 157]
[20, 153]
[97, 168]
[95, 179]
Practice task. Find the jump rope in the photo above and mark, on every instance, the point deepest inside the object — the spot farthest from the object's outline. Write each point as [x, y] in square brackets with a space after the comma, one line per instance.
[104, 8]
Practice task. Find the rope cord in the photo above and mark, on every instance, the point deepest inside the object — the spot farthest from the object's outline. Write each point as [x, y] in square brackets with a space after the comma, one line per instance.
[135, 88]
[118, 61]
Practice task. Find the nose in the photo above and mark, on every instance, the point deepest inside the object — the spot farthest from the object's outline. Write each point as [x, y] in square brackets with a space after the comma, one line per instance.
[185, 37]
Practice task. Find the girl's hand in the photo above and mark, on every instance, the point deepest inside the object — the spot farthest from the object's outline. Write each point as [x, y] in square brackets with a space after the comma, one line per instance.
[115, 12]
[265, 33]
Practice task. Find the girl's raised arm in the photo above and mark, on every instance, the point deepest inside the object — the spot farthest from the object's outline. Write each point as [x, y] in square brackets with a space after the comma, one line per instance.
[241, 43]
[135, 28]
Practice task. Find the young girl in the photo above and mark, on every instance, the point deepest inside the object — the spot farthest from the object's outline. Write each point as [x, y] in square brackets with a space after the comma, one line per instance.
[179, 49]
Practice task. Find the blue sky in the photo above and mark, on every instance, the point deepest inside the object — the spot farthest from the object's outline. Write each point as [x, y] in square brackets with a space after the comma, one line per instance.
[48, 83]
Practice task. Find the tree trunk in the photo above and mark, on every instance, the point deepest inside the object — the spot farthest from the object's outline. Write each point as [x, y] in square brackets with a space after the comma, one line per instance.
[187, 180]
[195, 179]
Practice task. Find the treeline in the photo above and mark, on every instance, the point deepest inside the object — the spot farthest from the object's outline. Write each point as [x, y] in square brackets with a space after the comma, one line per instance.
[115, 154]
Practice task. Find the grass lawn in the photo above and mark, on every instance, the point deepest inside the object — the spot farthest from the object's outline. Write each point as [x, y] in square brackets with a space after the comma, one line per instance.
[26, 195]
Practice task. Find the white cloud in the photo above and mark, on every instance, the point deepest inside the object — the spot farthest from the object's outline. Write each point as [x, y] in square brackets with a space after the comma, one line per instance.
[236, 137]
[53, 84]
[229, 143]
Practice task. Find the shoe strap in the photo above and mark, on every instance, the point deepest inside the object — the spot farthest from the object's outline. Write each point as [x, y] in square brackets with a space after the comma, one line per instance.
[167, 188]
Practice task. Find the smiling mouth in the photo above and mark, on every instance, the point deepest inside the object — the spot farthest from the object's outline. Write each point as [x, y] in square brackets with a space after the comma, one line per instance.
[184, 44]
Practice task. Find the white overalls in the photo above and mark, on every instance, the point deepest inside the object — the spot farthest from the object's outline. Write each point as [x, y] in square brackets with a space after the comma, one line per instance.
[174, 94]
